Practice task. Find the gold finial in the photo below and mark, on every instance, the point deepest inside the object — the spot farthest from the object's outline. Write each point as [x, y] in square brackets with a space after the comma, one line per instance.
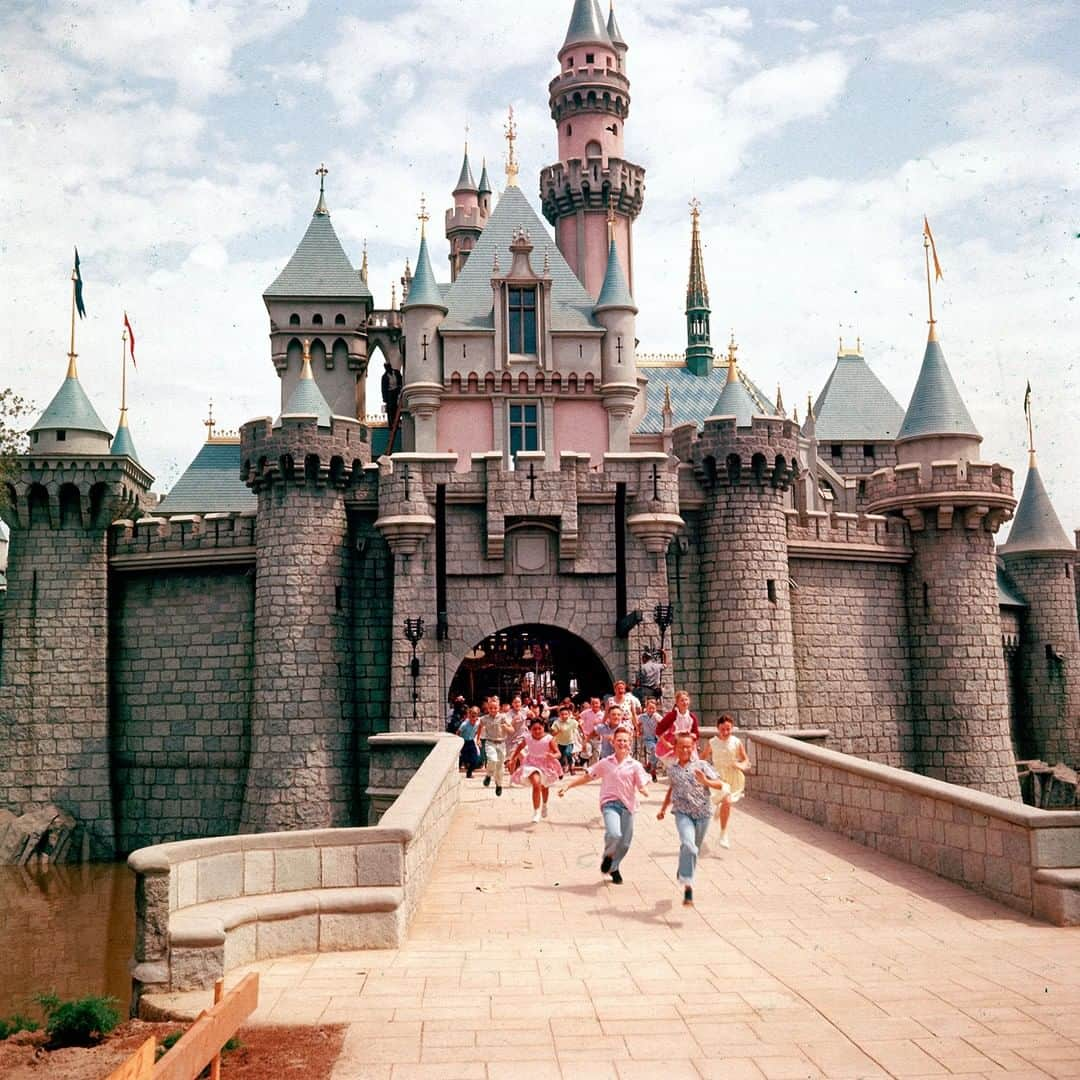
[208, 423]
[930, 249]
[423, 217]
[1031, 436]
[610, 223]
[858, 345]
[511, 160]
[667, 398]
[393, 296]
[305, 370]
[695, 209]
[321, 172]
[809, 407]
[732, 349]
[363, 264]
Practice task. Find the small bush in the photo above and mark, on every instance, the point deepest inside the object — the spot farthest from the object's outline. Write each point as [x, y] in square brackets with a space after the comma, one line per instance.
[79, 1022]
[14, 1024]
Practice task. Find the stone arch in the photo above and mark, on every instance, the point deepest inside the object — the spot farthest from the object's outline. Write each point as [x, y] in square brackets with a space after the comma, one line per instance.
[339, 319]
[38, 510]
[316, 319]
[318, 353]
[572, 655]
[294, 354]
[312, 466]
[340, 353]
[758, 465]
[294, 319]
[734, 468]
[70, 502]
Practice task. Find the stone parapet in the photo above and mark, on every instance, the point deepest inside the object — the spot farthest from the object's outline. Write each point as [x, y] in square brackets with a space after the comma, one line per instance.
[569, 186]
[296, 450]
[983, 492]
[1025, 858]
[824, 535]
[132, 543]
[762, 454]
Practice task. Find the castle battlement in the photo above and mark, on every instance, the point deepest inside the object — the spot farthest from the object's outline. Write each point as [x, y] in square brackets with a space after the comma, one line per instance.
[183, 534]
[568, 186]
[763, 453]
[297, 450]
[811, 532]
[984, 491]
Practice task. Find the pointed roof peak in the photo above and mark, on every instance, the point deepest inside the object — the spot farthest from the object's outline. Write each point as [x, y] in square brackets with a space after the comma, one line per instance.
[936, 407]
[613, 26]
[307, 399]
[697, 289]
[1036, 527]
[614, 293]
[484, 187]
[587, 25]
[320, 207]
[465, 178]
[71, 409]
[424, 291]
[123, 445]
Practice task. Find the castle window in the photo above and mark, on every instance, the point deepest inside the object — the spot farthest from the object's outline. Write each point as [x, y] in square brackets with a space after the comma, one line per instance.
[770, 587]
[590, 58]
[521, 321]
[36, 436]
[339, 320]
[569, 129]
[569, 63]
[294, 319]
[836, 450]
[61, 436]
[524, 426]
[317, 320]
[868, 451]
[862, 489]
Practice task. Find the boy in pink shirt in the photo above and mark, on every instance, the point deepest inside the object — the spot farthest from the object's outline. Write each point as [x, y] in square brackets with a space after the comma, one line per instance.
[621, 779]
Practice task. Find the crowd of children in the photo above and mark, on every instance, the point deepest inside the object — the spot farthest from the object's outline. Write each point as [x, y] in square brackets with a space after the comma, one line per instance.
[620, 742]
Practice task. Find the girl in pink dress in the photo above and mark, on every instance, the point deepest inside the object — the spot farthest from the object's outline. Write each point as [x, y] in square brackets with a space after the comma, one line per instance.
[537, 762]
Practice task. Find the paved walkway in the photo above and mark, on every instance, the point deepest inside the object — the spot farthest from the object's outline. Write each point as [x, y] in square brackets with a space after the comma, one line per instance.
[805, 956]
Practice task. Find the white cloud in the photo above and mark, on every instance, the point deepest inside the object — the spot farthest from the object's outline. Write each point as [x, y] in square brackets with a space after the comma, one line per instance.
[799, 26]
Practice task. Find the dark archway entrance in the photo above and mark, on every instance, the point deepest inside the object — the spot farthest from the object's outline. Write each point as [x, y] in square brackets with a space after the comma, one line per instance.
[529, 660]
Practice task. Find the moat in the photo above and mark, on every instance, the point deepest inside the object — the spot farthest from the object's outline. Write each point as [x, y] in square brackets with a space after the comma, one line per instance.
[65, 928]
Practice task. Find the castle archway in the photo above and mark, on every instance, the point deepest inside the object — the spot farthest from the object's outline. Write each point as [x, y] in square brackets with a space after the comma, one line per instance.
[531, 659]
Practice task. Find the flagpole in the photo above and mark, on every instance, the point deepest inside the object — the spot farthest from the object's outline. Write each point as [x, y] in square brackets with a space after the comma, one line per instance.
[123, 371]
[1031, 436]
[929, 286]
[71, 372]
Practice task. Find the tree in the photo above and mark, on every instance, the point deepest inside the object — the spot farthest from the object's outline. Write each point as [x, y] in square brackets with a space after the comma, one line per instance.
[14, 411]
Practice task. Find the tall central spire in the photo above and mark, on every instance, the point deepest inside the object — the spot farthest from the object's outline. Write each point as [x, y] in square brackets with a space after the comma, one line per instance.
[699, 351]
[590, 103]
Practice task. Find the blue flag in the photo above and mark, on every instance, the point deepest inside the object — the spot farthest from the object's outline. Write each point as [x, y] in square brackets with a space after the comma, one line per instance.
[79, 306]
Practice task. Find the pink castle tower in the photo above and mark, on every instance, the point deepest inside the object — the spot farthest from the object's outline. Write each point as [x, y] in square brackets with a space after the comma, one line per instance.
[590, 101]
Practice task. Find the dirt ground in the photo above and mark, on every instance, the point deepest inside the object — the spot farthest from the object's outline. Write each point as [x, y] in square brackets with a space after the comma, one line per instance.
[265, 1053]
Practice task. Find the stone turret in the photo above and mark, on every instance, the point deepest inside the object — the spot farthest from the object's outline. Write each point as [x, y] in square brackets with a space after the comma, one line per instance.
[699, 350]
[745, 464]
[322, 297]
[54, 676]
[1041, 561]
[466, 219]
[421, 315]
[953, 506]
[615, 311]
[302, 773]
[590, 101]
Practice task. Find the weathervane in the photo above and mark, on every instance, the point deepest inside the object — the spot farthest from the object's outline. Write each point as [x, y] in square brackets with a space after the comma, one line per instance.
[423, 217]
[208, 423]
[321, 172]
[511, 161]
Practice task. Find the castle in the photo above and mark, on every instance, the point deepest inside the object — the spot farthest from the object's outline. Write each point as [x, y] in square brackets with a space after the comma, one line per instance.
[555, 503]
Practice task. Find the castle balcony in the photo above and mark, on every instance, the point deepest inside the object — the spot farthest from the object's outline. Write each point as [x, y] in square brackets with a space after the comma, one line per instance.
[589, 89]
[573, 185]
[981, 492]
[384, 319]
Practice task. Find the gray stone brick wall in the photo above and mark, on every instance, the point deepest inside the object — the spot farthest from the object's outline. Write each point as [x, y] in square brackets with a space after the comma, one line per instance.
[181, 670]
[961, 704]
[1049, 657]
[851, 656]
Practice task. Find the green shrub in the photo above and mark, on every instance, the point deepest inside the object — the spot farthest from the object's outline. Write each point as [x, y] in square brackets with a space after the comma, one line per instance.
[14, 1024]
[79, 1022]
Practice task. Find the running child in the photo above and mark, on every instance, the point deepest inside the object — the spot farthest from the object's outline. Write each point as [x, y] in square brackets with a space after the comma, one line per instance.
[732, 763]
[536, 761]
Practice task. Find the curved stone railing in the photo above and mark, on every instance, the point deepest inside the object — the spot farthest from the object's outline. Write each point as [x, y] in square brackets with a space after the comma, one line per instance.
[206, 906]
[1021, 856]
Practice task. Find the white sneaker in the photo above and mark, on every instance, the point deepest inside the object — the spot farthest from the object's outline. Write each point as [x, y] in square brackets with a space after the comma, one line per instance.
[543, 810]
[724, 841]
[536, 816]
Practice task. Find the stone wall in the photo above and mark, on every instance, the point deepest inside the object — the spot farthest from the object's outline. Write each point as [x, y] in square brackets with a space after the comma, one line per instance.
[851, 656]
[1026, 858]
[180, 672]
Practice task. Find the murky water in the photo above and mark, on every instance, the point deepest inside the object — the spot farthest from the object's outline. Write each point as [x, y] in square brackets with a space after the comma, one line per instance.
[68, 929]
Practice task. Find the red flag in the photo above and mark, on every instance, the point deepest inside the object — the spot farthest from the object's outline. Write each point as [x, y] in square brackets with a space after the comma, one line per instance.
[131, 340]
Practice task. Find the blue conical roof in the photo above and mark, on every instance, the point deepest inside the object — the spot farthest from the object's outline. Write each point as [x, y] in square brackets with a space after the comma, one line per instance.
[855, 406]
[735, 400]
[485, 183]
[614, 292]
[586, 25]
[465, 180]
[424, 290]
[613, 28]
[1036, 527]
[319, 268]
[123, 445]
[71, 409]
[936, 407]
[307, 399]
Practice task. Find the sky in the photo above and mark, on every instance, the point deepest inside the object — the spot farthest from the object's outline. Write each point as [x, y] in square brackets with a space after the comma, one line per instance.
[176, 142]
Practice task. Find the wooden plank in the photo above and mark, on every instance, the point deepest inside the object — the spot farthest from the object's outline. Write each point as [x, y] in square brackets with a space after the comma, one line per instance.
[215, 1061]
[210, 1032]
[140, 1066]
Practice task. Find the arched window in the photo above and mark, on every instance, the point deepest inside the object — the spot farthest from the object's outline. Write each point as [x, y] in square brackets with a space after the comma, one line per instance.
[318, 353]
[569, 129]
[316, 319]
[592, 149]
[340, 352]
[294, 355]
[294, 319]
[339, 320]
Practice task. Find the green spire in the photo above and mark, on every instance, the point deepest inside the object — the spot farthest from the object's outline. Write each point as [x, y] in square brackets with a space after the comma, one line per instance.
[123, 445]
[485, 183]
[699, 351]
[424, 290]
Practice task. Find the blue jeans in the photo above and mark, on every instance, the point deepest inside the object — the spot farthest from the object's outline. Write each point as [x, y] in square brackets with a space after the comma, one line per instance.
[691, 836]
[618, 831]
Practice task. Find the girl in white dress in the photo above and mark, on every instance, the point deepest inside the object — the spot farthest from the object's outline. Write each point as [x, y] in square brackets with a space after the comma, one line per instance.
[537, 762]
[732, 763]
